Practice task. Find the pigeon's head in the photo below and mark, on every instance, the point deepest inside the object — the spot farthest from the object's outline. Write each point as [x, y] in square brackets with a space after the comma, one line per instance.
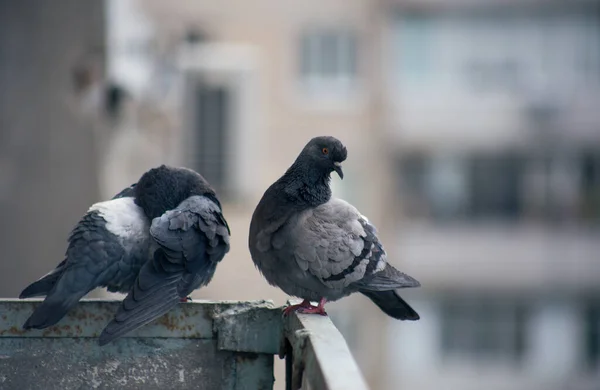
[326, 154]
[163, 188]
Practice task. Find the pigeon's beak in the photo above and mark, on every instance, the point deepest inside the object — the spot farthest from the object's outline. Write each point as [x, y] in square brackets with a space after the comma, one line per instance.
[338, 169]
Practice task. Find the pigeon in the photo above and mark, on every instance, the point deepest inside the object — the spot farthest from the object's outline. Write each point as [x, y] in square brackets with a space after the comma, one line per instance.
[320, 248]
[156, 241]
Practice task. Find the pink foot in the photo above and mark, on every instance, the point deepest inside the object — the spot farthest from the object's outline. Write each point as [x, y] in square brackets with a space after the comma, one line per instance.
[292, 308]
[185, 299]
[306, 308]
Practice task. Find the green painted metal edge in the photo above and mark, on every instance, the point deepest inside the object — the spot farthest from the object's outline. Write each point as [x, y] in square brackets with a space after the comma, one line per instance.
[252, 372]
[249, 329]
[187, 320]
[223, 344]
[320, 356]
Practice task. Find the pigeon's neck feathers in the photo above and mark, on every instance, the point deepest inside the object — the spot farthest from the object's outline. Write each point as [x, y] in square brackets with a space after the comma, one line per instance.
[164, 188]
[305, 184]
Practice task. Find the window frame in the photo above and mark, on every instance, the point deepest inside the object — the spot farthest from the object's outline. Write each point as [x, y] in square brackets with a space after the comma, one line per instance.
[341, 82]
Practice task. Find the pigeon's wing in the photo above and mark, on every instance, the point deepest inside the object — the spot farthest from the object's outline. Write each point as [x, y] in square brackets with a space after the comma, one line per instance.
[339, 246]
[98, 255]
[191, 240]
[89, 223]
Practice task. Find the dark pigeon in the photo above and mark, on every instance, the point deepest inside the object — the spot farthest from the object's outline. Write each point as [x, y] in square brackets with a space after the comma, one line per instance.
[321, 248]
[157, 241]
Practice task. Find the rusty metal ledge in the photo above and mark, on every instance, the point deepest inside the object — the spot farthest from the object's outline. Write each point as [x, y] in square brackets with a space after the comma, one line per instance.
[227, 344]
[317, 355]
[250, 328]
[195, 320]
[201, 344]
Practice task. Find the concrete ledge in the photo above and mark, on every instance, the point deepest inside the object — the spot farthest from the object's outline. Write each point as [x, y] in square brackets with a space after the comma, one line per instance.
[317, 356]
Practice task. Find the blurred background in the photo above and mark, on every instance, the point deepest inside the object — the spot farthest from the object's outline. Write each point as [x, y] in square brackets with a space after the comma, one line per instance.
[473, 131]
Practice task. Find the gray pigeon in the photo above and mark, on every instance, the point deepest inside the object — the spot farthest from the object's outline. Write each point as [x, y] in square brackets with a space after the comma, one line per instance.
[157, 240]
[321, 248]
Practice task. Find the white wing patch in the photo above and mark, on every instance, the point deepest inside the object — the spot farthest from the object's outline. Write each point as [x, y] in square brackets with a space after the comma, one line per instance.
[124, 218]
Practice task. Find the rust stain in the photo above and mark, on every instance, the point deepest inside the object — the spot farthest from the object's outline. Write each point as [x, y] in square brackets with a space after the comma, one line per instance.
[210, 313]
[13, 330]
[168, 322]
[80, 315]
[52, 330]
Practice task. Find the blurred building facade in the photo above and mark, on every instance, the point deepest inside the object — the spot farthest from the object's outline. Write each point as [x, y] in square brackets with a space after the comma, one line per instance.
[492, 111]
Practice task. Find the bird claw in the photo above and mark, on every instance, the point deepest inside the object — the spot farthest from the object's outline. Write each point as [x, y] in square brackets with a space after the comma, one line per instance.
[185, 299]
[292, 308]
[312, 310]
[305, 307]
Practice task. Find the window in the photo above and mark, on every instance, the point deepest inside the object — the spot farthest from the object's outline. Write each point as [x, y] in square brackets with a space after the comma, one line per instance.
[483, 328]
[328, 61]
[494, 183]
[591, 341]
[435, 187]
[212, 127]
[505, 186]
[589, 169]
[414, 37]
[413, 170]
[462, 187]
[506, 52]
[486, 76]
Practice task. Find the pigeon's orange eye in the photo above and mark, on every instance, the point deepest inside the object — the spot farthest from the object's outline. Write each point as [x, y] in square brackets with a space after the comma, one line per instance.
[325, 151]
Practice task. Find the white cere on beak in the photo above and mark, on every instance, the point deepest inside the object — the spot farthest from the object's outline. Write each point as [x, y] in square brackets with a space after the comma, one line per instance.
[337, 163]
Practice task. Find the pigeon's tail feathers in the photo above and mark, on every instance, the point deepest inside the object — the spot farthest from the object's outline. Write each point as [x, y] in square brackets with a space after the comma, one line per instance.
[146, 314]
[135, 314]
[68, 287]
[40, 288]
[43, 286]
[392, 305]
[52, 310]
[388, 279]
[154, 293]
